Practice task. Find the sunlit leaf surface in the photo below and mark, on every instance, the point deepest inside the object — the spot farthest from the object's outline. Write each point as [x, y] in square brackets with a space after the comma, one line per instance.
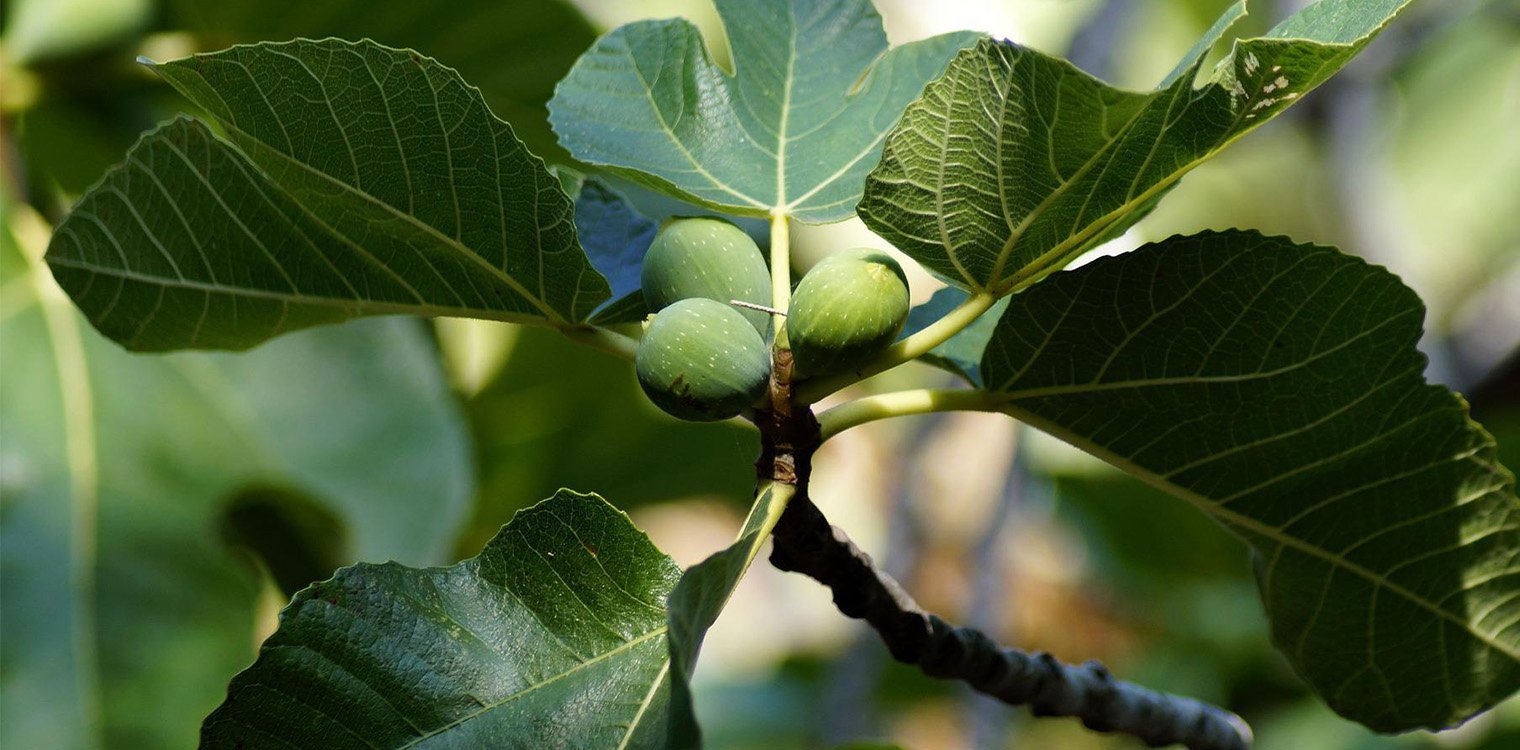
[793, 130]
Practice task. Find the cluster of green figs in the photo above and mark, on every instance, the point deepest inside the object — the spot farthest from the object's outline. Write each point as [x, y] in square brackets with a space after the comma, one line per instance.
[706, 350]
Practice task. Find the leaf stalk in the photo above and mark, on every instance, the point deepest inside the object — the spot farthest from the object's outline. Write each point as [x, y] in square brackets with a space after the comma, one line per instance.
[902, 403]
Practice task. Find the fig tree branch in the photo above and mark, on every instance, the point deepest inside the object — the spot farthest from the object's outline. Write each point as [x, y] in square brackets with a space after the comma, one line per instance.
[805, 542]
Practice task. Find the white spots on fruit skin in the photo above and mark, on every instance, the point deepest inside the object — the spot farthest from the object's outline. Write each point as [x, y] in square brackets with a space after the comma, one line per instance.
[706, 257]
[845, 308]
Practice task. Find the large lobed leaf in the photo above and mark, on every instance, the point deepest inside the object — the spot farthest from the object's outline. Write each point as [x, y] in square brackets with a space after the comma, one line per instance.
[123, 614]
[353, 180]
[553, 636]
[793, 130]
[1277, 387]
[1014, 163]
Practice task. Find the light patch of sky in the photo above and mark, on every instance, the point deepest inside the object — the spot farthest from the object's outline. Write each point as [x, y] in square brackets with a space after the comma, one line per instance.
[1132, 238]
[1040, 24]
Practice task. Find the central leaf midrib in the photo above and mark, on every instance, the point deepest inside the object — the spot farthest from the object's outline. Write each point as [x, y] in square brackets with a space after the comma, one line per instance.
[785, 109]
[628, 645]
[638, 716]
[468, 254]
[1023, 225]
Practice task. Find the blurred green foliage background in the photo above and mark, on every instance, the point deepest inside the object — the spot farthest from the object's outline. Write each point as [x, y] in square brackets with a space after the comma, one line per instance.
[218, 484]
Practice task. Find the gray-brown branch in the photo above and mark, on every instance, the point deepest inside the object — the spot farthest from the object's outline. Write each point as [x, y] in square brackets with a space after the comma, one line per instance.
[805, 542]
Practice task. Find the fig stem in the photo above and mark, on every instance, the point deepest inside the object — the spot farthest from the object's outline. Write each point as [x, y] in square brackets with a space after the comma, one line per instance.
[854, 413]
[906, 350]
[781, 274]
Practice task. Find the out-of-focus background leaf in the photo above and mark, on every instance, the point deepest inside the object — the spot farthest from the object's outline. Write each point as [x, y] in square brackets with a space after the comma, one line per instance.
[144, 496]
[41, 30]
[1408, 157]
[559, 414]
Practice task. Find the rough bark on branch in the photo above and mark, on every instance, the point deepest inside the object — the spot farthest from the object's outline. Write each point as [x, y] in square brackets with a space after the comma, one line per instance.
[805, 542]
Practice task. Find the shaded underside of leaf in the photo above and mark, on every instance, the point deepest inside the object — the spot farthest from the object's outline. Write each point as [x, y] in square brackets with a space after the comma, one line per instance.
[1014, 163]
[553, 636]
[616, 237]
[793, 130]
[355, 180]
[1278, 388]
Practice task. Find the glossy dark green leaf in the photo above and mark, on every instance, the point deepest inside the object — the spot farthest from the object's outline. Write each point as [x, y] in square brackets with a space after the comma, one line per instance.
[354, 180]
[1014, 162]
[1277, 387]
[553, 636]
[123, 612]
[793, 130]
[514, 51]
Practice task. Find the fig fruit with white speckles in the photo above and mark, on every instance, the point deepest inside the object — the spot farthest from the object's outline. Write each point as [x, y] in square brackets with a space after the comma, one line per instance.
[846, 309]
[701, 360]
[710, 259]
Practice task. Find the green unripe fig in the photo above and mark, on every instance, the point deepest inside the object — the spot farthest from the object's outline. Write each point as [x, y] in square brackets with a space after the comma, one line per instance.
[846, 309]
[707, 258]
[701, 360]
